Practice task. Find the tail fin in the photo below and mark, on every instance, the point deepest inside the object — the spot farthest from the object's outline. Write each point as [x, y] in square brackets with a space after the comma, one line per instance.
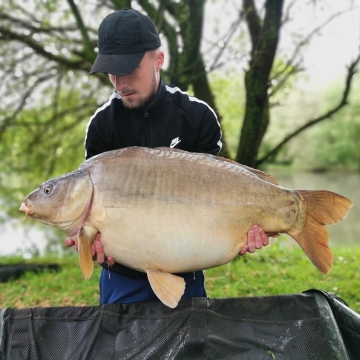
[322, 208]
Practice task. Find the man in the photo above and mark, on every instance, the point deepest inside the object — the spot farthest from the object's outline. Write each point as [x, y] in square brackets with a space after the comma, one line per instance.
[143, 111]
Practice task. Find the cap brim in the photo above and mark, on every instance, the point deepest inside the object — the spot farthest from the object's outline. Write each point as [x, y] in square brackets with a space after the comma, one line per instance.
[117, 64]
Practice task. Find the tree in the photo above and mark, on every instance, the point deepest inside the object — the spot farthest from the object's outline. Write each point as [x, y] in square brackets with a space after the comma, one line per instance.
[56, 46]
[264, 34]
[48, 48]
[264, 40]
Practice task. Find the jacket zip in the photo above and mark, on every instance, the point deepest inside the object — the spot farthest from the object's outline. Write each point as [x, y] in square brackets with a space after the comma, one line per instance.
[146, 115]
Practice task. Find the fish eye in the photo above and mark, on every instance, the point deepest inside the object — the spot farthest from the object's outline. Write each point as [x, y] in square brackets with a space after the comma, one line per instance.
[47, 189]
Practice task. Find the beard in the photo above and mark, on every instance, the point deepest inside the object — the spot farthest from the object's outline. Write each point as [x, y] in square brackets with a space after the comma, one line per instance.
[142, 102]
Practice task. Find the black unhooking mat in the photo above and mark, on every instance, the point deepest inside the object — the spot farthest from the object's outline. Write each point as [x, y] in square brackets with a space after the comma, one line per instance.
[307, 326]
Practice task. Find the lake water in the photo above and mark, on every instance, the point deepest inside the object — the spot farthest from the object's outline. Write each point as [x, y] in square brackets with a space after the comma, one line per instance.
[16, 238]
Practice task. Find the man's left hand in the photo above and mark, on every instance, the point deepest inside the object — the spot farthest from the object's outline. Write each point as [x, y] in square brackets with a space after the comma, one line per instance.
[256, 240]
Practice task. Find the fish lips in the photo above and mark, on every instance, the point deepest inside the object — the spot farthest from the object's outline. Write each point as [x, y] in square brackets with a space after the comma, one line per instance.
[26, 208]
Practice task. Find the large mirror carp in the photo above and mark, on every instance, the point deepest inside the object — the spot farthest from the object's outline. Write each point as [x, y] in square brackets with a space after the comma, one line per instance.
[164, 211]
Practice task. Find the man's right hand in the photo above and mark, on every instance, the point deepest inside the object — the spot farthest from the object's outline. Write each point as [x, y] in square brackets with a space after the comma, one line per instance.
[97, 250]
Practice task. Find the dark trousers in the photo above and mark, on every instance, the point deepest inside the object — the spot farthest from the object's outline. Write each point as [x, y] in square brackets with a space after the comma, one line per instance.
[120, 288]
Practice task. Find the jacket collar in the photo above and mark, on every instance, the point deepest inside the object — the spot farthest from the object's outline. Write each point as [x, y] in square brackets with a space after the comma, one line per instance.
[159, 101]
[157, 105]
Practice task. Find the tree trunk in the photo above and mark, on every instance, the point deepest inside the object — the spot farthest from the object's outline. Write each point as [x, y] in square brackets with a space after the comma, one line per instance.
[264, 40]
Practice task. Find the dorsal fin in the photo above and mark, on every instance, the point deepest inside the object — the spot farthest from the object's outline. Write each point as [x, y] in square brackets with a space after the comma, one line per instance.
[261, 174]
[258, 173]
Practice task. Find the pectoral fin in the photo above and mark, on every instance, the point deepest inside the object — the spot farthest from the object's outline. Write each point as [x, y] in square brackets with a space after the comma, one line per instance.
[168, 287]
[85, 237]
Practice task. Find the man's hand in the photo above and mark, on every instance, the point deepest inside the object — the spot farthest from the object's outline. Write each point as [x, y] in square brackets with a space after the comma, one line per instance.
[97, 250]
[256, 240]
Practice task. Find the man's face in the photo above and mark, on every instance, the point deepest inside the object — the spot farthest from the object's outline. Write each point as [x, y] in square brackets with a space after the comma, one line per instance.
[139, 88]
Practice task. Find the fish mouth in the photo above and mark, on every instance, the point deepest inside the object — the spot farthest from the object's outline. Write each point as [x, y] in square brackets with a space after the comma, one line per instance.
[26, 209]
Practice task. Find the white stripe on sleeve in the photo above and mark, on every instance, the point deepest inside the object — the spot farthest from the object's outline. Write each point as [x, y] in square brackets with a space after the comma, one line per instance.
[173, 90]
[115, 95]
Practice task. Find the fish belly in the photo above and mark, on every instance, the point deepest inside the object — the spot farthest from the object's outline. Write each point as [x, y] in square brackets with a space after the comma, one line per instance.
[172, 238]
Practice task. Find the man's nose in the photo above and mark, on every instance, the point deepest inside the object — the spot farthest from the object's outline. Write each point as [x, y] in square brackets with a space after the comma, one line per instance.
[120, 82]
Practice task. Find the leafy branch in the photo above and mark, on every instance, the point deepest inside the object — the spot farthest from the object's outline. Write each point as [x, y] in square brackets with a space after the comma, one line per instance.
[352, 69]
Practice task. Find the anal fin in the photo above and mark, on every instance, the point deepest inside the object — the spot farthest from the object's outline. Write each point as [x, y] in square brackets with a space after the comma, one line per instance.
[168, 287]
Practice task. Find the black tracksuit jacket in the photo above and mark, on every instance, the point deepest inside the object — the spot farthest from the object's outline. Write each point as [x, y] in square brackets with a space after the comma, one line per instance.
[174, 119]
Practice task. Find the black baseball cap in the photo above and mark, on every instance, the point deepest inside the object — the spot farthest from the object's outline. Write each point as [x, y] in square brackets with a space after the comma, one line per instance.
[124, 38]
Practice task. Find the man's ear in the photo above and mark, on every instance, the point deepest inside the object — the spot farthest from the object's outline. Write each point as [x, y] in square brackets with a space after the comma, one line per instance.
[159, 60]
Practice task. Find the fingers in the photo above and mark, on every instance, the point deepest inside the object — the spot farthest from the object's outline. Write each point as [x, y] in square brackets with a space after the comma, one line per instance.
[99, 251]
[244, 250]
[264, 238]
[260, 238]
[93, 246]
[99, 254]
[110, 260]
[251, 240]
[256, 240]
[69, 242]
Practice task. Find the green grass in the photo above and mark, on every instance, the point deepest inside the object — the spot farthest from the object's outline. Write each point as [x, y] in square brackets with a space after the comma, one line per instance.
[65, 288]
[271, 271]
[276, 270]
